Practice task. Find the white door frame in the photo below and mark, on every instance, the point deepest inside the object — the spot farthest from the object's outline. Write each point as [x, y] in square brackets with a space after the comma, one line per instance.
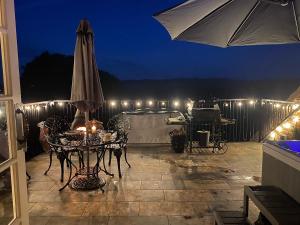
[11, 82]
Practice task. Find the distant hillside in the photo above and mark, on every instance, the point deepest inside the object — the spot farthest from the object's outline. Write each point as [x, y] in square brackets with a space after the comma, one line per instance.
[49, 76]
[203, 88]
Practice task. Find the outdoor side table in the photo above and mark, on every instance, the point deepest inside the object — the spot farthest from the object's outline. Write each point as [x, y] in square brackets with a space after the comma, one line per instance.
[277, 206]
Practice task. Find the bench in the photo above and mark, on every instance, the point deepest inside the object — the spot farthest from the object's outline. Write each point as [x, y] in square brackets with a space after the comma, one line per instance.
[275, 205]
[230, 217]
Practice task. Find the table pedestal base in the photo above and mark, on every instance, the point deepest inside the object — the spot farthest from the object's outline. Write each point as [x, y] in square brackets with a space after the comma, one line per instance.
[83, 183]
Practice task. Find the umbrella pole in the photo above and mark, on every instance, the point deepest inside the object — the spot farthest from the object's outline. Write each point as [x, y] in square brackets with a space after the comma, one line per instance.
[87, 117]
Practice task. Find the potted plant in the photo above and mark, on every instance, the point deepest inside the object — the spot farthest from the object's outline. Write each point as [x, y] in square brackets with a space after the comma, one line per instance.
[178, 139]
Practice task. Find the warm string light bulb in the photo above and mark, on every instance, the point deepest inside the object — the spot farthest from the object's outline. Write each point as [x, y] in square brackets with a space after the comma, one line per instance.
[112, 103]
[295, 106]
[279, 129]
[296, 119]
[287, 125]
[273, 135]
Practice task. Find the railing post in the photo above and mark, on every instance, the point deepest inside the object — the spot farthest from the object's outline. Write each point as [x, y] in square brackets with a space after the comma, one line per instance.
[260, 120]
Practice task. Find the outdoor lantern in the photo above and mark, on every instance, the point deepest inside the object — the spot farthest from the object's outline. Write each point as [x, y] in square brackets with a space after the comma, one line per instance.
[60, 103]
[150, 103]
[277, 105]
[163, 104]
[239, 104]
[226, 104]
[38, 108]
[251, 102]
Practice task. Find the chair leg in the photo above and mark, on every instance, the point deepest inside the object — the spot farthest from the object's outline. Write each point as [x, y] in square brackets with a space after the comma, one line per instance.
[50, 163]
[125, 154]
[109, 158]
[118, 154]
[61, 158]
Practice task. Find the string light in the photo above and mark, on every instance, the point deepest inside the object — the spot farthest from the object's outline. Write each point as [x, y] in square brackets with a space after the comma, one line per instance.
[163, 103]
[277, 105]
[138, 104]
[279, 129]
[60, 103]
[150, 103]
[226, 104]
[239, 104]
[38, 108]
[125, 103]
[176, 103]
[251, 102]
[112, 103]
[287, 125]
[273, 135]
[295, 106]
[296, 119]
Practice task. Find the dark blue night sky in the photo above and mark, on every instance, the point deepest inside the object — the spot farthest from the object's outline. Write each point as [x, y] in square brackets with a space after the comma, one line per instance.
[132, 45]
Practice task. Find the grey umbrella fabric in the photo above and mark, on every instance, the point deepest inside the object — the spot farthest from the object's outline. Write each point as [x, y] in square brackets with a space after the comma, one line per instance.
[86, 92]
[226, 23]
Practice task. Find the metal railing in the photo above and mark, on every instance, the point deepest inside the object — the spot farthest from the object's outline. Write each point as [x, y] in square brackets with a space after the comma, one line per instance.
[254, 118]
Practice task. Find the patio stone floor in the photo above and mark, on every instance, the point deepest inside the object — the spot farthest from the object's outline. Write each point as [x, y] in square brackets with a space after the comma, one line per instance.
[161, 188]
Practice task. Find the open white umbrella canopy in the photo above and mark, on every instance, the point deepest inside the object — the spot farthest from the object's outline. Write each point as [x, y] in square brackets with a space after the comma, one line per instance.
[86, 92]
[226, 23]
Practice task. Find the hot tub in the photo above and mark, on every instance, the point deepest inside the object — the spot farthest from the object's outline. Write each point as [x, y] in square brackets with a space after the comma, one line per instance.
[281, 166]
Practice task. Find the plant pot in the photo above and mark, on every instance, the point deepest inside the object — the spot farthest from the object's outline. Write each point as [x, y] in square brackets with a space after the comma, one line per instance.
[178, 143]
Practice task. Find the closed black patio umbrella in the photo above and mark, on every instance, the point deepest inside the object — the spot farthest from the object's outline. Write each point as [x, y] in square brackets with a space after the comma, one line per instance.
[86, 92]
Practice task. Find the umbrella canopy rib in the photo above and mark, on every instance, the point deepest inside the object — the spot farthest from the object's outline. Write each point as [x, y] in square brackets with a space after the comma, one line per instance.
[207, 16]
[296, 20]
[243, 22]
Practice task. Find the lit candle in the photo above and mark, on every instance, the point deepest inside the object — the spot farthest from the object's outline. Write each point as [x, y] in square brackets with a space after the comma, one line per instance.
[94, 129]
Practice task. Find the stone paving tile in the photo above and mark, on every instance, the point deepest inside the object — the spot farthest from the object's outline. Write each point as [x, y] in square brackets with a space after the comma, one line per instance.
[193, 220]
[58, 209]
[188, 195]
[161, 188]
[138, 220]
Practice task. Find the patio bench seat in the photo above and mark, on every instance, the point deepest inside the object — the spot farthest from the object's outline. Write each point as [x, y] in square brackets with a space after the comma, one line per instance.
[230, 217]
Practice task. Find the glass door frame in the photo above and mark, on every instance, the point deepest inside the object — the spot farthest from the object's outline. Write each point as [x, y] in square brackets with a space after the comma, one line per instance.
[12, 98]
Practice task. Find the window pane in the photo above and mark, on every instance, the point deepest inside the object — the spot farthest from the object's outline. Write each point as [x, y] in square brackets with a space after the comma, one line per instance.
[4, 150]
[6, 199]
